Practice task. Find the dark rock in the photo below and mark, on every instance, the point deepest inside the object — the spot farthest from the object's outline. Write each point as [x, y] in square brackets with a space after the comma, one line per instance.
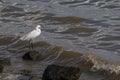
[56, 72]
[1, 0]
[5, 61]
[1, 68]
[26, 72]
[32, 55]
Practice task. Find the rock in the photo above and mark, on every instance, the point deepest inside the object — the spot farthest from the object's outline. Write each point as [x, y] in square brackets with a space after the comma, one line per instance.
[8, 76]
[1, 68]
[1, 0]
[112, 78]
[56, 72]
[5, 61]
[25, 72]
[88, 61]
[35, 78]
[32, 55]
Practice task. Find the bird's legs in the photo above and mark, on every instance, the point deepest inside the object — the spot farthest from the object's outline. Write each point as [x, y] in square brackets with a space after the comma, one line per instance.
[31, 44]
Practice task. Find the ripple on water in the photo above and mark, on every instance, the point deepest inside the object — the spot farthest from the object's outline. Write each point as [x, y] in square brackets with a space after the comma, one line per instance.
[77, 30]
[92, 25]
[69, 2]
[19, 14]
[12, 9]
[105, 44]
[40, 0]
[61, 20]
[8, 20]
[13, 15]
[109, 4]
[110, 38]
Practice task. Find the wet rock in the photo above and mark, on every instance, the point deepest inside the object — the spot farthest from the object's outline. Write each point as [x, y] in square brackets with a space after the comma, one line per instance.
[112, 78]
[32, 55]
[8, 76]
[89, 60]
[1, 0]
[100, 66]
[35, 78]
[53, 52]
[1, 68]
[26, 72]
[5, 61]
[56, 72]
[5, 40]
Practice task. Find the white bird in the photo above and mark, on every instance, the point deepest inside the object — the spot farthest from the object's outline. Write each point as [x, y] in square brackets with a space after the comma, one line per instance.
[27, 37]
[31, 35]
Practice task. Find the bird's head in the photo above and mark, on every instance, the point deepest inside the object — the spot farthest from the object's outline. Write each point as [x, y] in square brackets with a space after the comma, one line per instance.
[38, 27]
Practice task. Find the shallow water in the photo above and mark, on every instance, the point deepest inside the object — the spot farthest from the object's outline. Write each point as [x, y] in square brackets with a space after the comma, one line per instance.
[83, 26]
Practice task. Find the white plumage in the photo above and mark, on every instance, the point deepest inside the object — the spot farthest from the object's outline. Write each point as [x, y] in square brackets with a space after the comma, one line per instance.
[29, 37]
[33, 34]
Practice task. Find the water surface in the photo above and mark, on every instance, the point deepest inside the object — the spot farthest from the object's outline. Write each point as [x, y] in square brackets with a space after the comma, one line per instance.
[83, 26]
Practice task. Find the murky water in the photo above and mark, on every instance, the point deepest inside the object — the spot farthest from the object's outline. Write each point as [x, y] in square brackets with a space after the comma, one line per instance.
[83, 26]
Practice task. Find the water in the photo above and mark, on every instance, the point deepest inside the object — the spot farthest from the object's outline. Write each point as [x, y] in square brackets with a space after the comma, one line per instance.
[85, 26]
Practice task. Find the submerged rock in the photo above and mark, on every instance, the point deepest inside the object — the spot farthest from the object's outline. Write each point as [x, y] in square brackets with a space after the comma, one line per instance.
[8, 76]
[88, 61]
[62, 20]
[1, 0]
[112, 78]
[35, 78]
[98, 65]
[25, 72]
[5, 61]
[1, 68]
[32, 55]
[56, 72]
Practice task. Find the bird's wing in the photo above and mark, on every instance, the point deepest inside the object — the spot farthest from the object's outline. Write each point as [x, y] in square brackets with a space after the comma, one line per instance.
[27, 36]
[31, 35]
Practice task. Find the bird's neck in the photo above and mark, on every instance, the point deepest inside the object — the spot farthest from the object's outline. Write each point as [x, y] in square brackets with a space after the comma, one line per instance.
[38, 29]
